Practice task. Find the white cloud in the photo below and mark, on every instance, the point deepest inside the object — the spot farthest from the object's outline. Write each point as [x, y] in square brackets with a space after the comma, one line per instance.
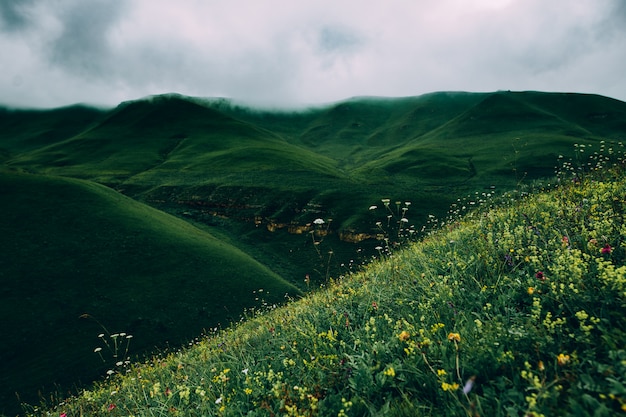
[101, 51]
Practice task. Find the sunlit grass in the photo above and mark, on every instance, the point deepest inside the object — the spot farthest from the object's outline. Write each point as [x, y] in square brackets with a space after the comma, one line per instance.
[516, 310]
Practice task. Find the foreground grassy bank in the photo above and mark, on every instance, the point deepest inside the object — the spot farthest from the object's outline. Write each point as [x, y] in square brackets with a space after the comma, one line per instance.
[514, 311]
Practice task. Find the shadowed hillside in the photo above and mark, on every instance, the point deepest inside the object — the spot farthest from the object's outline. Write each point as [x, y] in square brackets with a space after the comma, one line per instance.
[72, 247]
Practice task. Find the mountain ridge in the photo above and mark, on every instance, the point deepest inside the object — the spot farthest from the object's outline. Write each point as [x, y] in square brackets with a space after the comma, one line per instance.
[261, 180]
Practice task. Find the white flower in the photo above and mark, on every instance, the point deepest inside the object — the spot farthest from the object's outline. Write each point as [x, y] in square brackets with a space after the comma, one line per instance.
[318, 221]
[373, 207]
[218, 401]
[469, 384]
[245, 371]
[98, 349]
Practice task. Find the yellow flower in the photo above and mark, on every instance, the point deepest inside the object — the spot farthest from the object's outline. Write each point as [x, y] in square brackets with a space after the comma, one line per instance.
[449, 387]
[531, 290]
[404, 336]
[441, 372]
[562, 359]
[390, 372]
[454, 337]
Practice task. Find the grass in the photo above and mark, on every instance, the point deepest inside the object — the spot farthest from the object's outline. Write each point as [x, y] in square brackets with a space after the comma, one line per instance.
[249, 180]
[513, 310]
[72, 247]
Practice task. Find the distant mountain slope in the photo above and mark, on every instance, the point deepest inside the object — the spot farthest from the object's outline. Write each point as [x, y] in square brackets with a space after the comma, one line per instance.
[24, 130]
[248, 170]
[71, 247]
[271, 169]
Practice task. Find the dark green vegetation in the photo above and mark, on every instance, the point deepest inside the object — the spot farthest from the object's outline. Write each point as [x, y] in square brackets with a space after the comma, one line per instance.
[71, 247]
[235, 173]
[516, 310]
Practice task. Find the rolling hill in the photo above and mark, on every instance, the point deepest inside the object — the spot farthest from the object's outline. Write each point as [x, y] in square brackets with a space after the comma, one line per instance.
[71, 247]
[84, 194]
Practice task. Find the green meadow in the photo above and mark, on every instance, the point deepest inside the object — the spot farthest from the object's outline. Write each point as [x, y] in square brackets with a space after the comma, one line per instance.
[153, 245]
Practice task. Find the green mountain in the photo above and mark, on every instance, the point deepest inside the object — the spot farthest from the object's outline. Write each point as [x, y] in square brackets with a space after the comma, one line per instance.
[251, 182]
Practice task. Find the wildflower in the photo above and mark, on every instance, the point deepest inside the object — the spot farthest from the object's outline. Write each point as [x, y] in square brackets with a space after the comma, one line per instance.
[63, 415]
[404, 336]
[374, 305]
[245, 371]
[318, 221]
[606, 249]
[565, 241]
[541, 366]
[390, 372]
[449, 387]
[373, 207]
[168, 392]
[454, 337]
[562, 359]
[441, 372]
[219, 400]
[539, 275]
[531, 290]
[111, 407]
[469, 384]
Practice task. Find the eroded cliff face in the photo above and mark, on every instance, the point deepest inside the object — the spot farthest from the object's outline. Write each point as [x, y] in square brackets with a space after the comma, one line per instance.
[294, 214]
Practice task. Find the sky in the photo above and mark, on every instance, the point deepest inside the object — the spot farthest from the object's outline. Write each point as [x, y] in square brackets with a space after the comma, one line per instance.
[303, 52]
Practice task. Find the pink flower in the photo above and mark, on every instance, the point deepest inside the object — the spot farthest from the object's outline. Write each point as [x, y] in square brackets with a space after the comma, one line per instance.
[63, 415]
[539, 275]
[606, 249]
[111, 407]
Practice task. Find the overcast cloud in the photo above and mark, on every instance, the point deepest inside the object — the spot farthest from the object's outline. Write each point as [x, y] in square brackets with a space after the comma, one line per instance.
[273, 52]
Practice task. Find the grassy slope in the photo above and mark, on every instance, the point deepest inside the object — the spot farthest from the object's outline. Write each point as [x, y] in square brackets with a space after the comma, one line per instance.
[27, 130]
[197, 159]
[526, 301]
[72, 247]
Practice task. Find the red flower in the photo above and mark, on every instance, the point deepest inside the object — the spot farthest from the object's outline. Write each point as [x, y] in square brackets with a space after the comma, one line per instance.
[539, 275]
[606, 249]
[111, 407]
